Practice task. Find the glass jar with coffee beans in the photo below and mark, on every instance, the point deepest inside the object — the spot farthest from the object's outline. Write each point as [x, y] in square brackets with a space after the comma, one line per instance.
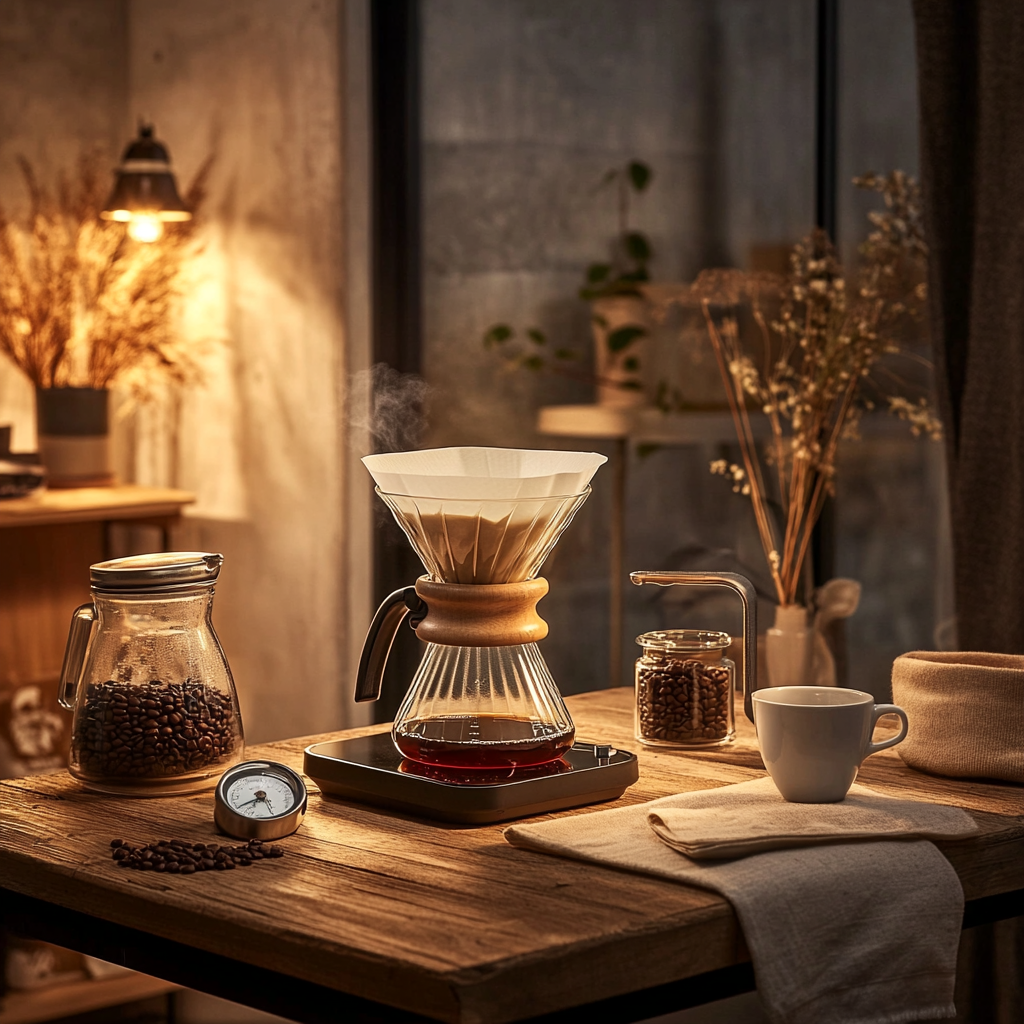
[155, 709]
[684, 689]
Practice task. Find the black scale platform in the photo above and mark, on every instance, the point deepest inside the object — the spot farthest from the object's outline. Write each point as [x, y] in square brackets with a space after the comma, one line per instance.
[370, 770]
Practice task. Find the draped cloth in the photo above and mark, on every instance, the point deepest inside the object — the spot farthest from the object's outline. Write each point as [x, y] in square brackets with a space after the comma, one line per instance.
[970, 56]
[971, 83]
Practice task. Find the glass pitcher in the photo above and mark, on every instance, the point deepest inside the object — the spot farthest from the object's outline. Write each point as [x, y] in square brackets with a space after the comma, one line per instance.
[155, 708]
[482, 697]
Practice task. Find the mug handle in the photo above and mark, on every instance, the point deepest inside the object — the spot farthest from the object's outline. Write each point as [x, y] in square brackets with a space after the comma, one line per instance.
[887, 709]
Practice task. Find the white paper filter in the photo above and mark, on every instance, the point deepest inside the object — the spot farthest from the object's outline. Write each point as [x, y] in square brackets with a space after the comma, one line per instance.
[486, 473]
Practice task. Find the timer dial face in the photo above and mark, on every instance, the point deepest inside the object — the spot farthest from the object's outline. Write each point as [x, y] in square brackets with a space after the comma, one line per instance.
[259, 800]
[260, 796]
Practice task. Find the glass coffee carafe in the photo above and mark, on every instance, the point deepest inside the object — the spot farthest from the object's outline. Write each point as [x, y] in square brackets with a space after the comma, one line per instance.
[155, 709]
[483, 697]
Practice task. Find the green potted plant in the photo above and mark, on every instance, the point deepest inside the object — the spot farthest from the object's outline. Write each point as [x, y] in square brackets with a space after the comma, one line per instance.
[619, 317]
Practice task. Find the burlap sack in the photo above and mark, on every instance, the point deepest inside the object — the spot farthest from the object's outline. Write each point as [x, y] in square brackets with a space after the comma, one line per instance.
[966, 713]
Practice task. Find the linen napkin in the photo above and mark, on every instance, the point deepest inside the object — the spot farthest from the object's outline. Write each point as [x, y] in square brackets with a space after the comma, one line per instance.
[859, 932]
[735, 821]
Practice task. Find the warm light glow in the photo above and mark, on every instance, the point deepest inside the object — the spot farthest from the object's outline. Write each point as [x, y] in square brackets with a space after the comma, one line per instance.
[145, 227]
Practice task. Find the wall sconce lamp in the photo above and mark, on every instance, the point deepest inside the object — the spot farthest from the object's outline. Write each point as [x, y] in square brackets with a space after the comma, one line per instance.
[145, 193]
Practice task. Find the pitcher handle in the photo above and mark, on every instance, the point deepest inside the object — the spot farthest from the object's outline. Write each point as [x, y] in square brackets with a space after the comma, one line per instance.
[748, 597]
[74, 654]
[379, 638]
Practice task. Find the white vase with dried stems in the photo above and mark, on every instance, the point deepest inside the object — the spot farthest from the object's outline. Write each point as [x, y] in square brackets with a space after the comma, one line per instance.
[826, 349]
[84, 307]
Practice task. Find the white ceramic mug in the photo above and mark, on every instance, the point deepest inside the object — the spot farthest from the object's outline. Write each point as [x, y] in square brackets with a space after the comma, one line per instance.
[814, 738]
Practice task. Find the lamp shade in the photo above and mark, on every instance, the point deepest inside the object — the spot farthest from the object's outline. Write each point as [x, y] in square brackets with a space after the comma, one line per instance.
[145, 184]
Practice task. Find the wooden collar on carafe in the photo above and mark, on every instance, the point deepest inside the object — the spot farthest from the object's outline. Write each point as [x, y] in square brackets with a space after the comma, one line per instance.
[482, 614]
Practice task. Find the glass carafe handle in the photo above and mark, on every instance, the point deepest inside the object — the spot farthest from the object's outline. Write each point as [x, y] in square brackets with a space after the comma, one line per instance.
[381, 635]
[748, 597]
[74, 654]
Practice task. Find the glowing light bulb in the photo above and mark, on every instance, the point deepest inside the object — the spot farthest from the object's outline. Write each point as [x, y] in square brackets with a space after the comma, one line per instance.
[145, 227]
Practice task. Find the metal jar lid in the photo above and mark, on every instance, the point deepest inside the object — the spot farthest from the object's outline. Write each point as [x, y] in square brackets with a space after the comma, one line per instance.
[684, 641]
[157, 570]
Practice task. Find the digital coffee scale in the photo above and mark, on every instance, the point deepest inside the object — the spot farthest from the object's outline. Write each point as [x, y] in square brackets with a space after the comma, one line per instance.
[370, 769]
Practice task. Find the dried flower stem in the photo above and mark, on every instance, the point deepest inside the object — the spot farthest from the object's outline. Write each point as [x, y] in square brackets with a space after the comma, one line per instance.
[817, 354]
[80, 303]
[745, 435]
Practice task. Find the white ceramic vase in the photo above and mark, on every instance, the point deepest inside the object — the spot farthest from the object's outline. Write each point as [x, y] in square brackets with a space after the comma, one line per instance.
[796, 651]
[788, 646]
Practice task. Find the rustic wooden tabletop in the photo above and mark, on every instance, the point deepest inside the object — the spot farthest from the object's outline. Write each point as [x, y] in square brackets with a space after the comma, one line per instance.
[438, 921]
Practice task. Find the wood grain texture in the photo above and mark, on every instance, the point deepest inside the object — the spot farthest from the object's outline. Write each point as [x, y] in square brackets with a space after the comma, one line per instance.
[445, 921]
[482, 614]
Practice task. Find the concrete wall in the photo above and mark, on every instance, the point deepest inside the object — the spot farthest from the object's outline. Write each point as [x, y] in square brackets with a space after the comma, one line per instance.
[258, 84]
[63, 89]
[525, 105]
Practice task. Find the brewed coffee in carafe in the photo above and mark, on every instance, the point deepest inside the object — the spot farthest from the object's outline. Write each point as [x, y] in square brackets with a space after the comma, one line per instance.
[482, 520]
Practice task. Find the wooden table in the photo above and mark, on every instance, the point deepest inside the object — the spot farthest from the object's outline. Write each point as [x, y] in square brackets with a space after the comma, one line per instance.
[371, 911]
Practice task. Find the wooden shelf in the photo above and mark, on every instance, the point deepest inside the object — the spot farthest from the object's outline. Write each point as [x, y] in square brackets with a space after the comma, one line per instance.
[91, 504]
[642, 423]
[56, 1001]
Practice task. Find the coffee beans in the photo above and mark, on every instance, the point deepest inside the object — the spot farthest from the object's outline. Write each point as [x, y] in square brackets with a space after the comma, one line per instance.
[180, 857]
[153, 730]
[682, 700]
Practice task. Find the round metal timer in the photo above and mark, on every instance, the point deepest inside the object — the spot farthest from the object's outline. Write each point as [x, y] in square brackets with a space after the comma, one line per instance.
[259, 800]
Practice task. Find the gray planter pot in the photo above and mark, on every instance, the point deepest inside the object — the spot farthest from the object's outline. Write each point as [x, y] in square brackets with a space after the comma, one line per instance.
[74, 436]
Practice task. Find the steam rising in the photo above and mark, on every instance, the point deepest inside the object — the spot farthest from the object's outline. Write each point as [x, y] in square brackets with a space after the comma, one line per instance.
[387, 410]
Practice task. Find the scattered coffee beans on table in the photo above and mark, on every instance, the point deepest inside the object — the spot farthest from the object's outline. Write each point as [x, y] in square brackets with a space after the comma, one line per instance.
[180, 857]
[683, 700]
[153, 729]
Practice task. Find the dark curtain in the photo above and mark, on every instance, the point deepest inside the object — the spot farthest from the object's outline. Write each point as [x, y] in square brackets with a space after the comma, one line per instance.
[971, 88]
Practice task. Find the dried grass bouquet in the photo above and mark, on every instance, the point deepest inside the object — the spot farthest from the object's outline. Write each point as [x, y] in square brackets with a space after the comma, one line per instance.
[827, 350]
[81, 303]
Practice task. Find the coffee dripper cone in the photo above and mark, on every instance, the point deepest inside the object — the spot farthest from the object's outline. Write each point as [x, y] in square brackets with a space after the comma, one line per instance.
[483, 697]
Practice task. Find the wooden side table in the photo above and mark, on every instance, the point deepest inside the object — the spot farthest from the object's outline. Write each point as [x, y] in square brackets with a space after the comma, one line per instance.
[47, 543]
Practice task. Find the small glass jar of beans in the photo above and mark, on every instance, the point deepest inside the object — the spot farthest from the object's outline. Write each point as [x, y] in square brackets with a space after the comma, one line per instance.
[684, 689]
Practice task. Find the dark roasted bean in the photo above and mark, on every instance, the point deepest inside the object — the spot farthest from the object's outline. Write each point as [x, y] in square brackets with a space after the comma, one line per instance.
[682, 700]
[152, 729]
[179, 857]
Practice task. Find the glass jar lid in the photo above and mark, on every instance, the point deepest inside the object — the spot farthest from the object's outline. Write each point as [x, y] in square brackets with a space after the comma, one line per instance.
[688, 641]
[157, 570]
